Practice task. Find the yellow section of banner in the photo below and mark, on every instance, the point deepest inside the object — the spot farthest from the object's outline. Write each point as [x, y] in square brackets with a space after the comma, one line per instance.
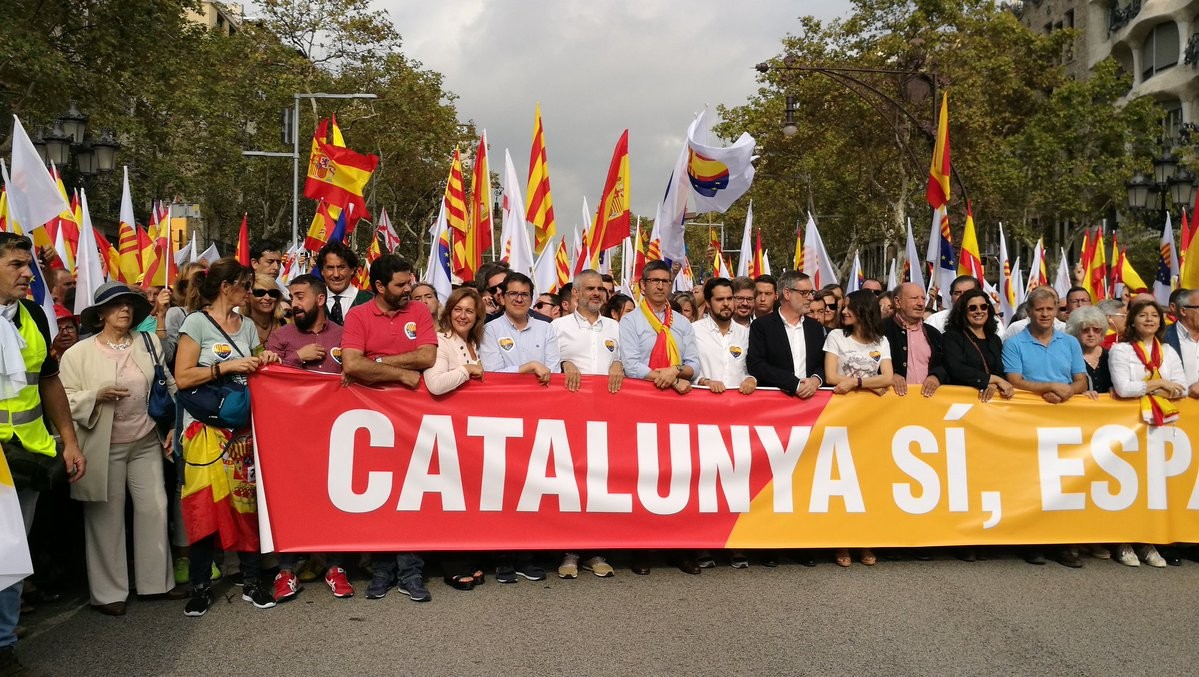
[946, 470]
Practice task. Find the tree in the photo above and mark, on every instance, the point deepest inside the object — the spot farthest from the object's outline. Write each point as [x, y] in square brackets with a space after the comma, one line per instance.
[1030, 147]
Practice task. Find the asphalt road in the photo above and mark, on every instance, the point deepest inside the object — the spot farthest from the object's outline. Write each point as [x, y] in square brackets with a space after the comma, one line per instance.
[1000, 616]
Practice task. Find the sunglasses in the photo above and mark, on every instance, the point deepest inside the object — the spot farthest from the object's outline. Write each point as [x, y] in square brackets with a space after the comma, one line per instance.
[273, 293]
[973, 308]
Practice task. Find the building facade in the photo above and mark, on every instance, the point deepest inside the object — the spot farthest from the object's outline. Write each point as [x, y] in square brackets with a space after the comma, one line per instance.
[1154, 41]
[223, 17]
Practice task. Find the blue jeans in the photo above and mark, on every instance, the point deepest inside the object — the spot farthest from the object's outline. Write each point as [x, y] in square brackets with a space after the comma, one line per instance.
[403, 566]
[10, 613]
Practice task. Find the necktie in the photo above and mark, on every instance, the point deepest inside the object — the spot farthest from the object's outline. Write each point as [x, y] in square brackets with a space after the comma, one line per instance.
[335, 314]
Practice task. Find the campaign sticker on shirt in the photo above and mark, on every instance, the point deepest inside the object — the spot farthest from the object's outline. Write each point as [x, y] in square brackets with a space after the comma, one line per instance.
[507, 343]
[610, 345]
[875, 355]
[410, 330]
[335, 353]
[735, 351]
[222, 350]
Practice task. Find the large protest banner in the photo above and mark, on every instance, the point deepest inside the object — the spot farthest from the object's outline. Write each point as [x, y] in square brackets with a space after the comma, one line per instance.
[507, 464]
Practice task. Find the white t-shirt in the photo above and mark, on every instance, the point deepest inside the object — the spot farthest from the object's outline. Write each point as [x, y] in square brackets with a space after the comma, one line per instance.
[857, 360]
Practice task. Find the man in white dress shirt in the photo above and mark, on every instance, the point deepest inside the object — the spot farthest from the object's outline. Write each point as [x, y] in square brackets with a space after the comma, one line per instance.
[722, 343]
[588, 344]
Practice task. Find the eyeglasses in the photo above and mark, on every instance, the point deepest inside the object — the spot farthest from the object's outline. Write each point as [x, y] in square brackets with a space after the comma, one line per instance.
[656, 280]
[1191, 307]
[518, 295]
[273, 293]
[1087, 330]
[806, 293]
[743, 299]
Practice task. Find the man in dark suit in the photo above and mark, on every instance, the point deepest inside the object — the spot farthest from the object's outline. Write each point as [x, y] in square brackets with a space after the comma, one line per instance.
[916, 354]
[786, 349]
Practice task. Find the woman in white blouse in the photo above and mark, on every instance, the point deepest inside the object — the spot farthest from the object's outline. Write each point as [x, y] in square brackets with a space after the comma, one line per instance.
[460, 328]
[1143, 366]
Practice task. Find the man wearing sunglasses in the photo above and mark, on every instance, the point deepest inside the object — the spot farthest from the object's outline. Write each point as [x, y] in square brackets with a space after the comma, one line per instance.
[547, 304]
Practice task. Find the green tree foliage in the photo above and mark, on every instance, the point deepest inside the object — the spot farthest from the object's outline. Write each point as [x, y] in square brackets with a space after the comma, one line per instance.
[185, 102]
[1042, 154]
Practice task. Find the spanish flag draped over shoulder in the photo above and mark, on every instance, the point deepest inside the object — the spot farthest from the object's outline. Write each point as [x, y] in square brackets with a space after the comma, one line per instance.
[613, 221]
[219, 491]
[337, 174]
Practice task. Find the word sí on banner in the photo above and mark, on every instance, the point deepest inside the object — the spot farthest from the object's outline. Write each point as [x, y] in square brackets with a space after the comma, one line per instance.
[507, 464]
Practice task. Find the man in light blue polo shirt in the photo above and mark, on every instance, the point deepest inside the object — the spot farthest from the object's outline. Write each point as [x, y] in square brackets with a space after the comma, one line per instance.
[1049, 363]
[516, 343]
[1041, 359]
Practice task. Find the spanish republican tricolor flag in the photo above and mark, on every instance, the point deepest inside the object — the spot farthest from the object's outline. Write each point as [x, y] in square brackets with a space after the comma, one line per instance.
[337, 174]
[969, 260]
[613, 221]
[539, 207]
[15, 564]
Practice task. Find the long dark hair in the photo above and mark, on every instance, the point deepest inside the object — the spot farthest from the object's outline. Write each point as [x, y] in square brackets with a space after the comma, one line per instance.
[224, 270]
[867, 318]
[957, 316]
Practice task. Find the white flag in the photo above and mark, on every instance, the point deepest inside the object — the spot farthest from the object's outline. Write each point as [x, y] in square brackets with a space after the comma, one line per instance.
[747, 251]
[766, 262]
[855, 275]
[717, 175]
[1007, 283]
[891, 281]
[1062, 283]
[915, 265]
[211, 254]
[33, 197]
[514, 234]
[816, 263]
[89, 273]
[672, 211]
[545, 271]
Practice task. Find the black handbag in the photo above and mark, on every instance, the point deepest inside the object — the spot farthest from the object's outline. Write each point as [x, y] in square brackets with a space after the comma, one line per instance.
[38, 472]
[159, 403]
[224, 403]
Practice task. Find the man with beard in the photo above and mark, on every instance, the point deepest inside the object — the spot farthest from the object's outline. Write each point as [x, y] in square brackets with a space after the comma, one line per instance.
[722, 343]
[744, 297]
[312, 343]
[389, 340]
[338, 265]
[588, 343]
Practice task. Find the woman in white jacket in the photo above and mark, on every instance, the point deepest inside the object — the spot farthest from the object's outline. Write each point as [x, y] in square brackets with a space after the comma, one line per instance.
[1143, 366]
[460, 328]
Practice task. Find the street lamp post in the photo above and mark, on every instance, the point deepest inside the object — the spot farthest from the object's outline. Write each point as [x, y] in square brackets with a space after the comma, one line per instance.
[69, 139]
[295, 151]
[1171, 187]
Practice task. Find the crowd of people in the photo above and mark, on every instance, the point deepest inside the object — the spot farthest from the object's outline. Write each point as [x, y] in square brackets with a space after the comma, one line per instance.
[89, 395]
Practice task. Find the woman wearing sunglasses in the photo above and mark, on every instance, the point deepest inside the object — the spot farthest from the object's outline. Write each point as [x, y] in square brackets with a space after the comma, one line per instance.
[263, 307]
[973, 349]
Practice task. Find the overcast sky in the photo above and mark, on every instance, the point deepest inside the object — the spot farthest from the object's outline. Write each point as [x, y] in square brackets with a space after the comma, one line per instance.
[597, 67]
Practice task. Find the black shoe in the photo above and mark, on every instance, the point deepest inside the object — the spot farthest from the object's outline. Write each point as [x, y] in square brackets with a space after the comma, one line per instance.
[9, 665]
[1067, 558]
[530, 572]
[415, 588]
[238, 579]
[1170, 554]
[111, 609]
[258, 596]
[967, 554]
[505, 575]
[688, 566]
[200, 602]
[1035, 557]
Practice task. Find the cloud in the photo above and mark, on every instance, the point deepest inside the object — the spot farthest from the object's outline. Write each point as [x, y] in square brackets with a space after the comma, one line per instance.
[596, 68]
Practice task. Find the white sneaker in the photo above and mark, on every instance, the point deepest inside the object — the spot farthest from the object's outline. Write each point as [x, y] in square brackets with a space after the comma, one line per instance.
[569, 568]
[599, 566]
[1149, 554]
[1125, 556]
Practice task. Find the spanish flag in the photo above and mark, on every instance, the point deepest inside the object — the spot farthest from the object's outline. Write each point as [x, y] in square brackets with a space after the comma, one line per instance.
[940, 171]
[337, 174]
[130, 261]
[969, 260]
[219, 494]
[613, 220]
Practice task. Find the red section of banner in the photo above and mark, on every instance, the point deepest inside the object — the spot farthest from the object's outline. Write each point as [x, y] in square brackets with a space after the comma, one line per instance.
[366, 469]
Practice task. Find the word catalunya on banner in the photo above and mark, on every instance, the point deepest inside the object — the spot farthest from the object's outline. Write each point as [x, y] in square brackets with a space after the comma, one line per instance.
[507, 464]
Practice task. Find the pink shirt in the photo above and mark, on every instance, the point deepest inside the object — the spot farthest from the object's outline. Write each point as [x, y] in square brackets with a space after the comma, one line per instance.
[288, 339]
[371, 330]
[919, 351]
[130, 421]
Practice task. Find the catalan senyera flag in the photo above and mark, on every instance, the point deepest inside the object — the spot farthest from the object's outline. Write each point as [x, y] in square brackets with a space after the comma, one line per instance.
[613, 220]
[562, 263]
[757, 267]
[468, 251]
[797, 261]
[969, 260]
[455, 207]
[243, 241]
[144, 243]
[539, 205]
[337, 174]
[940, 170]
[129, 251]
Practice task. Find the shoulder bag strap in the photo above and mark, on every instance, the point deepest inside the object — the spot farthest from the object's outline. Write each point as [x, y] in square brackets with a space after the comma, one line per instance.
[150, 349]
[223, 333]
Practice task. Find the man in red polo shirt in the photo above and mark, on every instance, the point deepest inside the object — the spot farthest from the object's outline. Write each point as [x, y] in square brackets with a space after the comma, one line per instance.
[389, 340]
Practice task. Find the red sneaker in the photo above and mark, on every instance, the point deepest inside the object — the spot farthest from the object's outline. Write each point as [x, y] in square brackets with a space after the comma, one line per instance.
[286, 585]
[336, 579]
